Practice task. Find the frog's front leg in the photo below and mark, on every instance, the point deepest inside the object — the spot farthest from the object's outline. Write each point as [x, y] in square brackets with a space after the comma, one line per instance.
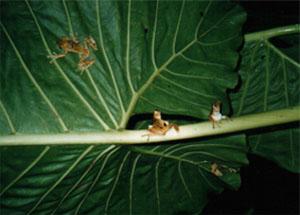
[212, 121]
[175, 126]
[151, 132]
[215, 121]
[90, 42]
[56, 56]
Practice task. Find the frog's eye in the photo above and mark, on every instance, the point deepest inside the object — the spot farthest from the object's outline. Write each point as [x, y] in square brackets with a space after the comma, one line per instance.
[166, 123]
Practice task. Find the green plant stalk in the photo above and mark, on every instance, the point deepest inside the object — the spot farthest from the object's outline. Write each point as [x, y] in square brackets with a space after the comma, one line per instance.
[202, 129]
[274, 32]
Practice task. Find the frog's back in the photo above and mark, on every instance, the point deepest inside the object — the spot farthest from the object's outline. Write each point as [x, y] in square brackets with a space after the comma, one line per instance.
[69, 45]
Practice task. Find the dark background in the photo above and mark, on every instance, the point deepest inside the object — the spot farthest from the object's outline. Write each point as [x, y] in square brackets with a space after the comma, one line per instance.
[266, 188]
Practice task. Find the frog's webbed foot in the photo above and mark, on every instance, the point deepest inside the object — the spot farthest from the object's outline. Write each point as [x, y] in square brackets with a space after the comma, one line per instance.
[176, 127]
[216, 124]
[147, 135]
[227, 118]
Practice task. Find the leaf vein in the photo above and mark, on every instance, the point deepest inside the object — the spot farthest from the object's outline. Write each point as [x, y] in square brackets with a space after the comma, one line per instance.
[26, 170]
[285, 82]
[160, 154]
[101, 98]
[160, 107]
[267, 78]
[244, 92]
[281, 54]
[202, 18]
[183, 181]
[157, 186]
[186, 88]
[95, 180]
[34, 82]
[82, 176]
[9, 120]
[153, 36]
[106, 58]
[206, 180]
[177, 27]
[218, 42]
[205, 153]
[194, 76]
[128, 49]
[287, 102]
[213, 26]
[131, 182]
[68, 18]
[179, 148]
[202, 62]
[83, 154]
[176, 96]
[116, 181]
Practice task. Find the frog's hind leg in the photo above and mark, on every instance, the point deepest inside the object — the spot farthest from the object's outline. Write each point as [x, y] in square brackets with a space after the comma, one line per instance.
[227, 118]
[85, 64]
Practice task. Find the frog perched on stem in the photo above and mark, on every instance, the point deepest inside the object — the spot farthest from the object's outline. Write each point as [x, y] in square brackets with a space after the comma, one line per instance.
[218, 170]
[159, 126]
[215, 115]
[71, 44]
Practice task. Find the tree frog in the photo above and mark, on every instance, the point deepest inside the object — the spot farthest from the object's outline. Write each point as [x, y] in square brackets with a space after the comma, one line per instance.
[71, 44]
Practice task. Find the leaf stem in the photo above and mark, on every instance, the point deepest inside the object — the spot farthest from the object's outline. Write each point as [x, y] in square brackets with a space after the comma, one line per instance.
[274, 32]
[202, 129]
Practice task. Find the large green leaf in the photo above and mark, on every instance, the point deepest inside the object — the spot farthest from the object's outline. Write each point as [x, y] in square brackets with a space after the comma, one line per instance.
[141, 180]
[270, 81]
[164, 51]
[175, 56]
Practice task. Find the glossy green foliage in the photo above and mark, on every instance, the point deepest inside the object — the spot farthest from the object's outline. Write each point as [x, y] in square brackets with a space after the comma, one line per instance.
[270, 80]
[118, 180]
[153, 53]
[176, 56]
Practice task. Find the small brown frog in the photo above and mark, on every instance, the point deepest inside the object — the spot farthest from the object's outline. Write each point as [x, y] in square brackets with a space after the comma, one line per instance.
[220, 170]
[214, 169]
[215, 115]
[159, 126]
[68, 44]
